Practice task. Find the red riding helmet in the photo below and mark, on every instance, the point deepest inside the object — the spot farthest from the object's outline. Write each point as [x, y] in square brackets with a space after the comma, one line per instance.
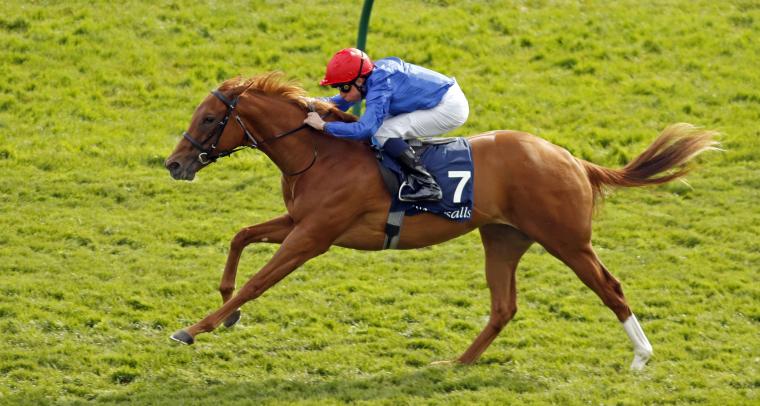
[346, 66]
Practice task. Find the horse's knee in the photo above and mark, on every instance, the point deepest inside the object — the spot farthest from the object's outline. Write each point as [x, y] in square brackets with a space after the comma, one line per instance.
[226, 289]
[240, 240]
[501, 315]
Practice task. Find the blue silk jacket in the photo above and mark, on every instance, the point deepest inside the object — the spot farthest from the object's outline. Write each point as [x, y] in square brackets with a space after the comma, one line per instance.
[394, 87]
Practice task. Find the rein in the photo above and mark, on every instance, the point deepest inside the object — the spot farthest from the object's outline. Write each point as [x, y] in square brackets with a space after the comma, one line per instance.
[210, 155]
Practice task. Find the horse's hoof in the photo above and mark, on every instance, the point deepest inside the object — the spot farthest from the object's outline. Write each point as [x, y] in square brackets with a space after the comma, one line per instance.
[640, 359]
[232, 318]
[183, 337]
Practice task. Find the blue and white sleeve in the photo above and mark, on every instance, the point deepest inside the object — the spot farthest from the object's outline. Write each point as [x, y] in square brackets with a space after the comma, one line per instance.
[377, 106]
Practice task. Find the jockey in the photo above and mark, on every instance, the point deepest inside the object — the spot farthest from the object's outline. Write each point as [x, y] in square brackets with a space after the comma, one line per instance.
[403, 102]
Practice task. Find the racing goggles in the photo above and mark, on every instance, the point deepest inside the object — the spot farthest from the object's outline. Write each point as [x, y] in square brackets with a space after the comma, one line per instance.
[344, 87]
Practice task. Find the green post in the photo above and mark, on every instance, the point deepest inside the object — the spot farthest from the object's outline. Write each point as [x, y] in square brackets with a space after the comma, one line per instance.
[361, 39]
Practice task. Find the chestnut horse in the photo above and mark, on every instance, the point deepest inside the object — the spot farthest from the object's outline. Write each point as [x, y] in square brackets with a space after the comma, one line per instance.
[525, 190]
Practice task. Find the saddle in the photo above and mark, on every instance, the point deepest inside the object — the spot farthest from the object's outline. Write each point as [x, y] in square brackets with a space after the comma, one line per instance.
[450, 162]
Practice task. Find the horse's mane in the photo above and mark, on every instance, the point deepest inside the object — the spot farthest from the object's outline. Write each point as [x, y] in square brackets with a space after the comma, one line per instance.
[274, 84]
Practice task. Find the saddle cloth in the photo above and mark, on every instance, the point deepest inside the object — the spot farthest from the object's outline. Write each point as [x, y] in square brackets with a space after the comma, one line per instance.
[450, 162]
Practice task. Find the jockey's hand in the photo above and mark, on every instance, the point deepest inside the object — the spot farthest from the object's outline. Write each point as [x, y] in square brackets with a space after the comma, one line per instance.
[313, 119]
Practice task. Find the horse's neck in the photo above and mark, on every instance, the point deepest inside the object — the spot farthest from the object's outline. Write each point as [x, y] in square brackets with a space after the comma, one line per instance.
[295, 152]
[271, 118]
[337, 115]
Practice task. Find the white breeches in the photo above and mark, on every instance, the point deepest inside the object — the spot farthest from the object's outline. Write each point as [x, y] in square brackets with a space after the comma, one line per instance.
[447, 116]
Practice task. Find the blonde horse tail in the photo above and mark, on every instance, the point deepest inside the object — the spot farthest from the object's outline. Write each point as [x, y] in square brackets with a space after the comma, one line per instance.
[672, 150]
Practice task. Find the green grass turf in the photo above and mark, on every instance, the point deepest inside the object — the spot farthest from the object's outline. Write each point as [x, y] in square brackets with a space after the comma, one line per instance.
[102, 255]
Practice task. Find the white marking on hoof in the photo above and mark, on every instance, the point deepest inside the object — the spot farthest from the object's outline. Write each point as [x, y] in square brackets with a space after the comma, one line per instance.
[640, 358]
[642, 350]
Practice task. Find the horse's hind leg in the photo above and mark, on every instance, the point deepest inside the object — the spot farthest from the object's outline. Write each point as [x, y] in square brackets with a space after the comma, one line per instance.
[504, 246]
[272, 231]
[585, 263]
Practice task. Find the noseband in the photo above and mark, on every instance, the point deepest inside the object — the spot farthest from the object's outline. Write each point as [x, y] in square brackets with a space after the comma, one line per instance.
[209, 155]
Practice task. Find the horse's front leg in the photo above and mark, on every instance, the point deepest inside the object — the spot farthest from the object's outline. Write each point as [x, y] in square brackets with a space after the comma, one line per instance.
[272, 231]
[300, 245]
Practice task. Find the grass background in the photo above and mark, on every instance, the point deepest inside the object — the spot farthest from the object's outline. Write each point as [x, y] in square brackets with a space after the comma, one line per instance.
[102, 255]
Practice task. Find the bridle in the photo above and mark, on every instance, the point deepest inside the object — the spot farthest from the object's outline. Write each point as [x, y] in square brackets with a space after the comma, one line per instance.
[210, 154]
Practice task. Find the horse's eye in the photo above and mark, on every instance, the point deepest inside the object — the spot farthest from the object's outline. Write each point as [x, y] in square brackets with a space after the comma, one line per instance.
[208, 120]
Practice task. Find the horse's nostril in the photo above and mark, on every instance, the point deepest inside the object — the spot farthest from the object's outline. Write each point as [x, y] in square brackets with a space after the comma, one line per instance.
[172, 166]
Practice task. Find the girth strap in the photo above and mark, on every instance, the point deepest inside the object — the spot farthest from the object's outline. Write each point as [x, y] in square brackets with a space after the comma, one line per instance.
[395, 216]
[393, 228]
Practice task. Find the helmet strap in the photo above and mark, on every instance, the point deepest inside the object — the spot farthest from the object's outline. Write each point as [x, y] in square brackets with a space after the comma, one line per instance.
[363, 88]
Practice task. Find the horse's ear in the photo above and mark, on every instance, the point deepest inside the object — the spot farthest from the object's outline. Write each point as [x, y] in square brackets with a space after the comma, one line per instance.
[342, 116]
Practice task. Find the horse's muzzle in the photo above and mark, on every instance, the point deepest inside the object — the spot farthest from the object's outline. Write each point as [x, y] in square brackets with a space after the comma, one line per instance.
[179, 172]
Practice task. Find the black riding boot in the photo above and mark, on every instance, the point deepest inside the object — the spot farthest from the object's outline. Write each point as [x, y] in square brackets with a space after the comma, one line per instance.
[419, 184]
